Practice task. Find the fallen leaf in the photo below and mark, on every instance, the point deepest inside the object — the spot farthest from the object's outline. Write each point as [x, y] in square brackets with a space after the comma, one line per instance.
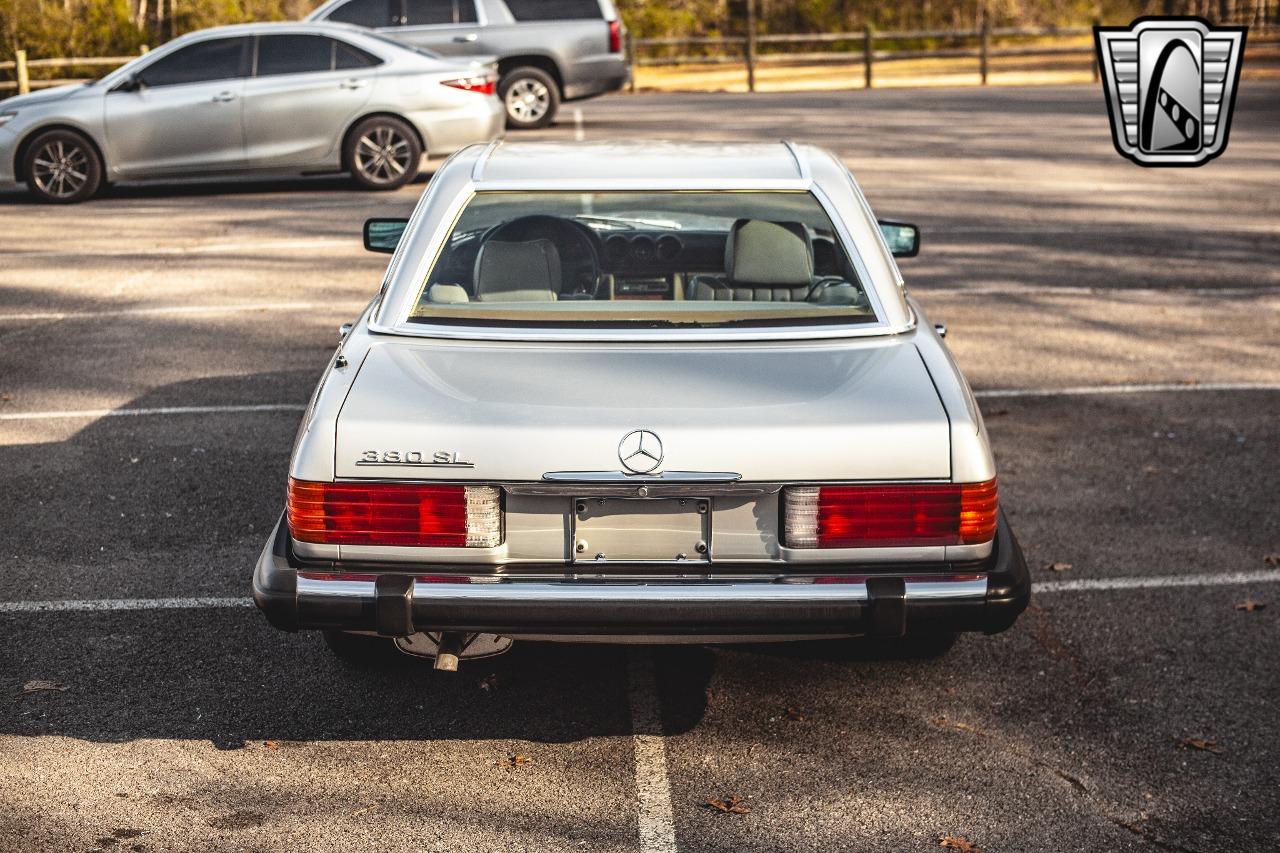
[39, 685]
[1202, 744]
[1059, 567]
[1151, 469]
[793, 715]
[364, 810]
[515, 759]
[1249, 605]
[489, 682]
[271, 744]
[959, 844]
[955, 724]
[1272, 559]
[731, 804]
[998, 413]
[6, 398]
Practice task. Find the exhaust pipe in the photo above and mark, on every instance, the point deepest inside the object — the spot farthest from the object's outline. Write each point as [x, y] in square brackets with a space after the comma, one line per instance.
[450, 649]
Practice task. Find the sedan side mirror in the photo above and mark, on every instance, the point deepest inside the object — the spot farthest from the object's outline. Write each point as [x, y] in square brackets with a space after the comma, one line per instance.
[131, 83]
[383, 235]
[903, 238]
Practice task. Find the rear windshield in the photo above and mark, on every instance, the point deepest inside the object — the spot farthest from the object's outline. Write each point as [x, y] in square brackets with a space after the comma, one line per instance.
[643, 258]
[554, 10]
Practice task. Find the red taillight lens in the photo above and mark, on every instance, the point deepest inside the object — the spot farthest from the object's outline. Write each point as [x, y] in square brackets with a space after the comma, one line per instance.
[395, 514]
[615, 37]
[482, 85]
[890, 516]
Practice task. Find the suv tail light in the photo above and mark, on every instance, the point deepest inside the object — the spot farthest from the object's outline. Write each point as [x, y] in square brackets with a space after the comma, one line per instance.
[615, 37]
[395, 514]
[890, 516]
[484, 85]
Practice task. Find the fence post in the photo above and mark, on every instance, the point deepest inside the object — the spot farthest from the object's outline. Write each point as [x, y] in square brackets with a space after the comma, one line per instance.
[867, 58]
[1093, 64]
[986, 46]
[631, 60]
[751, 45]
[142, 50]
[24, 82]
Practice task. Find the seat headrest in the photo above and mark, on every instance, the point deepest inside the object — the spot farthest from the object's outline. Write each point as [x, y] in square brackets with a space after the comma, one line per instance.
[527, 271]
[771, 253]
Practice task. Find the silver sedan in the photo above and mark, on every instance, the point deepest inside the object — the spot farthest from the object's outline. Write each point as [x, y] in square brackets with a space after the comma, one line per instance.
[256, 98]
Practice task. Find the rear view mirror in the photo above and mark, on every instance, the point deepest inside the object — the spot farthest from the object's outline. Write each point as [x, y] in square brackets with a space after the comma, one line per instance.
[383, 235]
[903, 238]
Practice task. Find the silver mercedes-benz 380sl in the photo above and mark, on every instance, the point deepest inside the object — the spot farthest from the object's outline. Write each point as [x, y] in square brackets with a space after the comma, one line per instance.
[634, 393]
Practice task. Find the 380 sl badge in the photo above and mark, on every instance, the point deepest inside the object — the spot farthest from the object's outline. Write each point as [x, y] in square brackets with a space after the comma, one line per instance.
[414, 459]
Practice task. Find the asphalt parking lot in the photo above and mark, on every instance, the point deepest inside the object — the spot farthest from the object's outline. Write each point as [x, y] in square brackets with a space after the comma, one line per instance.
[1120, 323]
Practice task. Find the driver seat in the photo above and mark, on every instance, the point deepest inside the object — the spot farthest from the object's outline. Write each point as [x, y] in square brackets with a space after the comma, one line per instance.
[524, 271]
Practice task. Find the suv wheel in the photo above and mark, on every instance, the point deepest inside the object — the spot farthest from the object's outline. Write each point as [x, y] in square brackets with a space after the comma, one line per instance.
[530, 96]
[62, 167]
[383, 153]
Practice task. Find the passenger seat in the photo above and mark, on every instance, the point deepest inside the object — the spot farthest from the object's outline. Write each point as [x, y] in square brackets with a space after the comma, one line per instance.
[764, 262]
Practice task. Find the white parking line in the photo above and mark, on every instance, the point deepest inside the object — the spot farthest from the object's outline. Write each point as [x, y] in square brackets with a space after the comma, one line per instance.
[1158, 581]
[199, 249]
[928, 291]
[166, 410]
[653, 789]
[100, 604]
[336, 307]
[1158, 387]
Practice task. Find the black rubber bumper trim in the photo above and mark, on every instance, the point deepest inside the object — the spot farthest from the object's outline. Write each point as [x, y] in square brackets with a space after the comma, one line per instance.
[393, 612]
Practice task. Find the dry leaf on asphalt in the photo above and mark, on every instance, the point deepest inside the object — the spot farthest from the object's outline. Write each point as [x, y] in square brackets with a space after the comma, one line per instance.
[1272, 559]
[731, 804]
[1059, 567]
[1202, 744]
[6, 398]
[271, 744]
[489, 682]
[793, 715]
[1249, 605]
[38, 685]
[959, 844]
[515, 759]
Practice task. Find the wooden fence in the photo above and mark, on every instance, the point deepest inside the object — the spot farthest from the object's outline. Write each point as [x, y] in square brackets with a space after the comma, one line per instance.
[872, 48]
[21, 67]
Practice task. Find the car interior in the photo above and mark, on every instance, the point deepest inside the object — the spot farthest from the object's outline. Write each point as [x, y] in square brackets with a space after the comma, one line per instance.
[546, 258]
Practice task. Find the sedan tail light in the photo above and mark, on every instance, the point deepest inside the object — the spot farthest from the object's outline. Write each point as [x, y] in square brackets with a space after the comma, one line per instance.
[890, 515]
[615, 37]
[484, 85]
[395, 514]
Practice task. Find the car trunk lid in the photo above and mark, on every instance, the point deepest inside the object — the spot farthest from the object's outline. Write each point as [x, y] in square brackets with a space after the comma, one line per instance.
[494, 412]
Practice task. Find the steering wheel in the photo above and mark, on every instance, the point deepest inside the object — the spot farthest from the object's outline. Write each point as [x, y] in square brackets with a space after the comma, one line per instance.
[580, 274]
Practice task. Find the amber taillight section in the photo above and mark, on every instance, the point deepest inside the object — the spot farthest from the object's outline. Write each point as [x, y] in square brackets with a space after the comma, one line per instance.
[395, 514]
[880, 516]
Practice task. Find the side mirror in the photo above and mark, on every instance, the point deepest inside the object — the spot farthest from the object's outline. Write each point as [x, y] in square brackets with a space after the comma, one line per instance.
[903, 238]
[132, 83]
[383, 235]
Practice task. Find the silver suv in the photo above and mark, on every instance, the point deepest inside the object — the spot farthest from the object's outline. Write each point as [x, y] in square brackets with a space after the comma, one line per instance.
[548, 51]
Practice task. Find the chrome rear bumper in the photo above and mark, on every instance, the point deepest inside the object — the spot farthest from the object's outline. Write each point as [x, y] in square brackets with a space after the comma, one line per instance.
[988, 598]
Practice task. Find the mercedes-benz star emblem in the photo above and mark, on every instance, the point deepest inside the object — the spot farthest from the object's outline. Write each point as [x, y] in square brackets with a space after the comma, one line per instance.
[640, 451]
